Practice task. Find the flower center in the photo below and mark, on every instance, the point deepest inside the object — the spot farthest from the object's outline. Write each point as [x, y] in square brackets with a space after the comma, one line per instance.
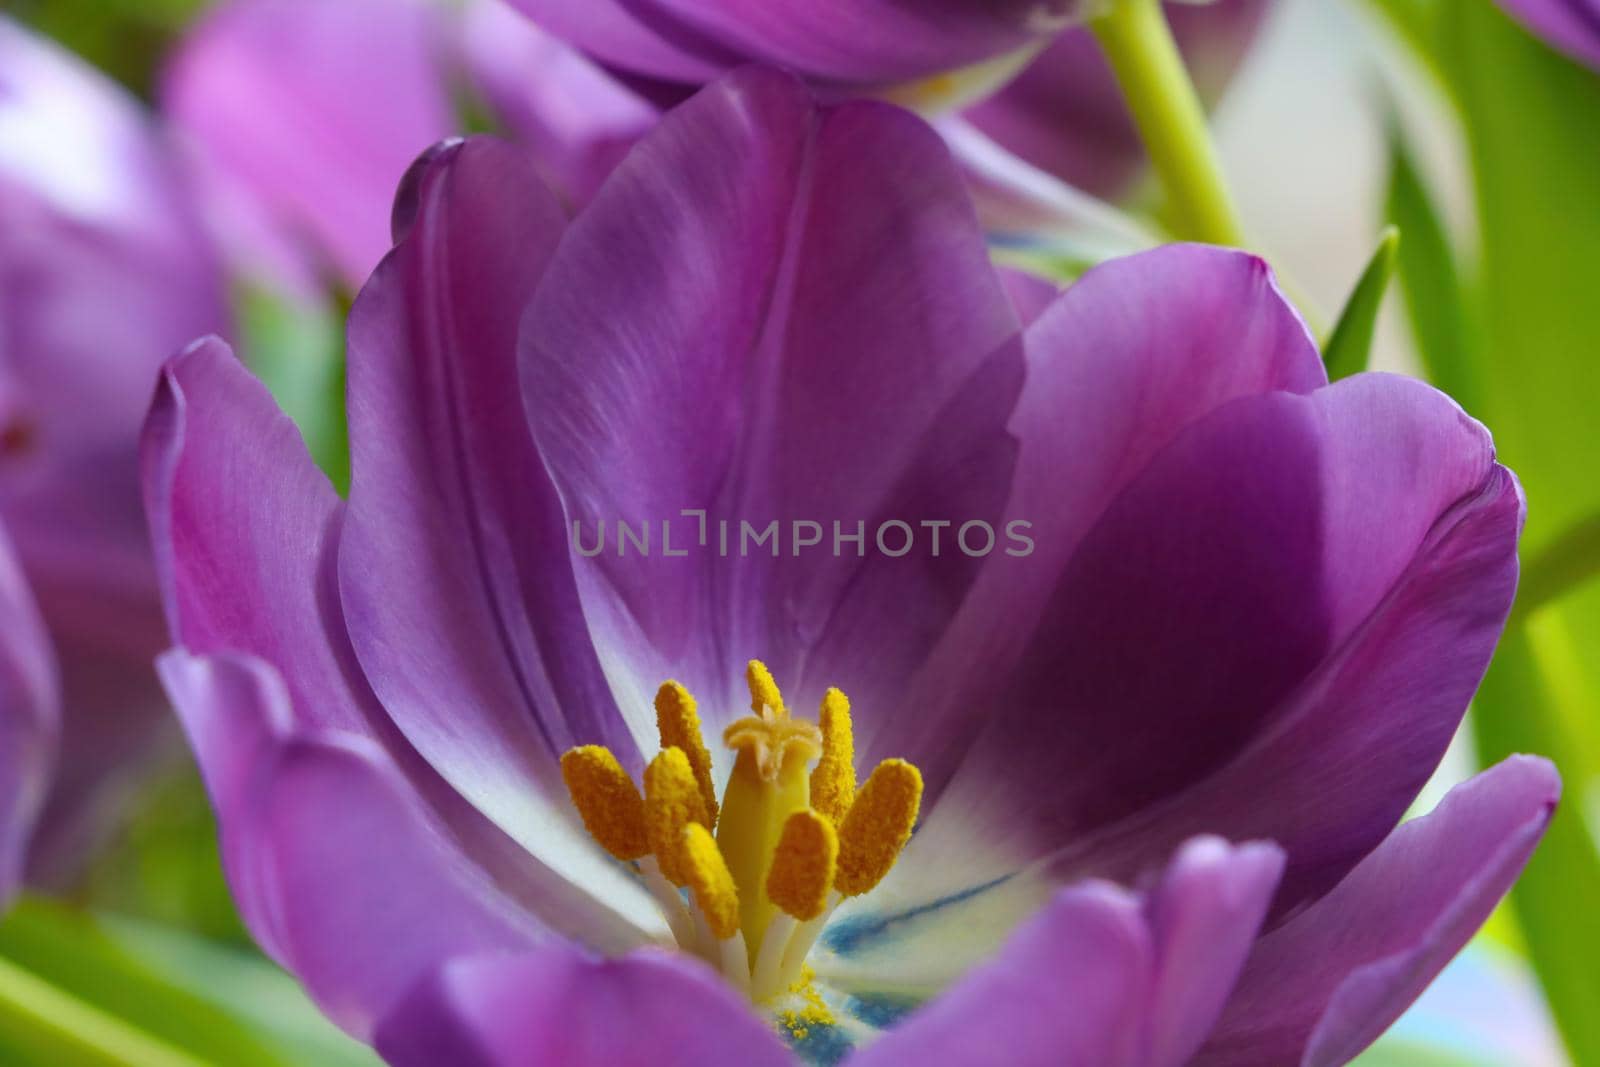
[764, 869]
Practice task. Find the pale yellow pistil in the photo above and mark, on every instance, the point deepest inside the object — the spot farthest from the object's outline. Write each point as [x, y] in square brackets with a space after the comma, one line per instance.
[789, 842]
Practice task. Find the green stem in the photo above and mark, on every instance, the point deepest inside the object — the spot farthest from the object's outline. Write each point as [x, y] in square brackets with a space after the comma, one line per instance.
[59, 1029]
[1138, 42]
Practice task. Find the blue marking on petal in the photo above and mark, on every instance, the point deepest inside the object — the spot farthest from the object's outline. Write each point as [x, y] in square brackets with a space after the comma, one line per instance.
[823, 1045]
[881, 1010]
[852, 934]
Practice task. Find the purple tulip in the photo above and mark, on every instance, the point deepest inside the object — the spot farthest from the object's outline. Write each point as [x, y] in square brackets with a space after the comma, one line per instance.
[104, 273]
[30, 714]
[309, 111]
[837, 42]
[1065, 114]
[1249, 614]
[1570, 26]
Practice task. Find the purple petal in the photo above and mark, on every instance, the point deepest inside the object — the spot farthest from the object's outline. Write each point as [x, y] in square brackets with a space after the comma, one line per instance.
[245, 529]
[454, 568]
[243, 526]
[1295, 600]
[577, 117]
[1065, 115]
[1323, 986]
[1030, 294]
[1572, 26]
[649, 1009]
[1349, 754]
[1088, 951]
[1204, 917]
[633, 36]
[872, 41]
[720, 331]
[1130, 355]
[30, 712]
[316, 109]
[1102, 977]
[338, 868]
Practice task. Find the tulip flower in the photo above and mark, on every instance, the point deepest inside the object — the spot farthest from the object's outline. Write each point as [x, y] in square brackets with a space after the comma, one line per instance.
[309, 111]
[105, 272]
[1112, 775]
[855, 43]
[1570, 26]
[30, 714]
[1065, 115]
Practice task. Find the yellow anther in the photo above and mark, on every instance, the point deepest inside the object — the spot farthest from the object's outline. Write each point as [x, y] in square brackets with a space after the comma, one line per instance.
[706, 872]
[678, 722]
[607, 800]
[878, 826]
[803, 865]
[671, 802]
[833, 782]
[763, 690]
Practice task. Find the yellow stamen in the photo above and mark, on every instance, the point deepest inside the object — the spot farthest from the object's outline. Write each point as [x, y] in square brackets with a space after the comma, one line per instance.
[878, 826]
[773, 755]
[671, 802]
[833, 783]
[790, 841]
[607, 800]
[706, 872]
[803, 865]
[678, 722]
[763, 690]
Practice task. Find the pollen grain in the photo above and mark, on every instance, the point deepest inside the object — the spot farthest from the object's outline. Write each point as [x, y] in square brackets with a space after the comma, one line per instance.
[803, 865]
[878, 826]
[678, 722]
[671, 802]
[706, 872]
[607, 801]
[833, 781]
[764, 691]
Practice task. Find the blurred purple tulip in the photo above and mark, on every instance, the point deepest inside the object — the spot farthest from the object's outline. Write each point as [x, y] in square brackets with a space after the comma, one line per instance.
[309, 111]
[838, 43]
[104, 273]
[1065, 115]
[1570, 26]
[1256, 608]
[30, 719]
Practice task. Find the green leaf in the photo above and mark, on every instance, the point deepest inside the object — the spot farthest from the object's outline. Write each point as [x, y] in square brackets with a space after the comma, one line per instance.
[1554, 901]
[1416, 22]
[42, 1025]
[1532, 120]
[1349, 347]
[159, 995]
[1533, 127]
[61, 965]
[1393, 1053]
[246, 987]
[1522, 341]
[1570, 561]
[1436, 301]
